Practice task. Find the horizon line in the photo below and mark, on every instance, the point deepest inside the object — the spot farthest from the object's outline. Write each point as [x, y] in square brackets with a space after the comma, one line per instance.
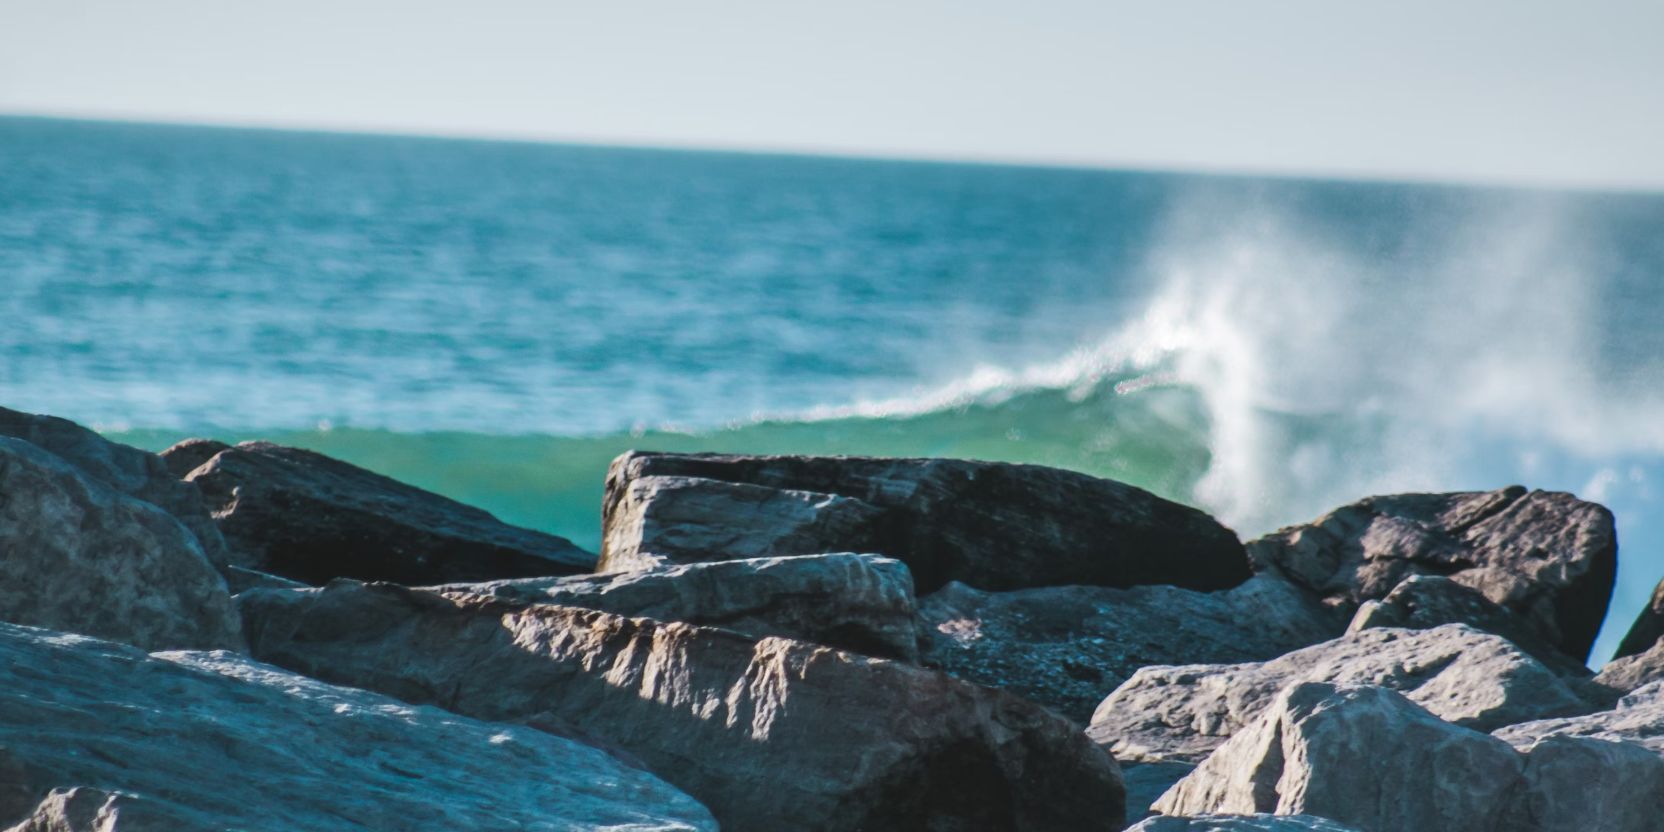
[853, 153]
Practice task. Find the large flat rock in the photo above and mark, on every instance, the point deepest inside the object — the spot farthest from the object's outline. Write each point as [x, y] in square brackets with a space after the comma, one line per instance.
[78, 555]
[1069, 647]
[192, 742]
[1370, 758]
[137, 473]
[302, 515]
[862, 603]
[994, 526]
[771, 734]
[1546, 556]
[1471, 678]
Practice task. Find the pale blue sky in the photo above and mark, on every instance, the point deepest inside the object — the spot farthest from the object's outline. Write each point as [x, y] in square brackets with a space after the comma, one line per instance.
[1493, 90]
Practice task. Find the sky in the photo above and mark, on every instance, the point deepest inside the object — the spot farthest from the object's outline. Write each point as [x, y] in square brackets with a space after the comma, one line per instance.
[1516, 91]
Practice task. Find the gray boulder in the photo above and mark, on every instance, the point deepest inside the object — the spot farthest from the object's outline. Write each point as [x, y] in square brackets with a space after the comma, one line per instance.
[771, 734]
[1369, 757]
[1548, 557]
[1637, 719]
[78, 555]
[1068, 647]
[137, 473]
[305, 516]
[1422, 602]
[212, 741]
[1648, 628]
[1241, 823]
[1630, 672]
[994, 526]
[1475, 679]
[861, 603]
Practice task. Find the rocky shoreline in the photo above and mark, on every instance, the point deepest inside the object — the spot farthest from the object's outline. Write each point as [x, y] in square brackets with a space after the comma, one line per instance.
[264, 638]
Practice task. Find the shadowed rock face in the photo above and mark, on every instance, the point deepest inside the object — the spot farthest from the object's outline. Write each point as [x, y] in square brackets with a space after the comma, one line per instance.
[76, 555]
[1470, 678]
[861, 603]
[192, 742]
[1545, 556]
[138, 474]
[1369, 757]
[994, 526]
[1648, 628]
[771, 734]
[305, 516]
[1068, 647]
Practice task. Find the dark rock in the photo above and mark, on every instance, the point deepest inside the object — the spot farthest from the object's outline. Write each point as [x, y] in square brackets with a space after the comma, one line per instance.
[134, 472]
[1369, 757]
[861, 603]
[188, 455]
[1648, 628]
[78, 555]
[771, 734]
[213, 741]
[1470, 678]
[305, 516]
[1545, 556]
[1069, 647]
[1422, 602]
[994, 526]
[1147, 782]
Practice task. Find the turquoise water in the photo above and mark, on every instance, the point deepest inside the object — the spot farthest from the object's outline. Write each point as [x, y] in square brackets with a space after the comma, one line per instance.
[496, 320]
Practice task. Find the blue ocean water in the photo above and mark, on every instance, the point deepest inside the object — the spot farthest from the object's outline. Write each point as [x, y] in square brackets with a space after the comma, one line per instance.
[496, 320]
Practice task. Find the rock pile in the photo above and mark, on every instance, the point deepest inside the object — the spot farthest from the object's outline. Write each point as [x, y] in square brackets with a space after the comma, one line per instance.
[807, 643]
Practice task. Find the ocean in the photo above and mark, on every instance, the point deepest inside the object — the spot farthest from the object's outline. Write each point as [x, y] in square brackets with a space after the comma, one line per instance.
[497, 320]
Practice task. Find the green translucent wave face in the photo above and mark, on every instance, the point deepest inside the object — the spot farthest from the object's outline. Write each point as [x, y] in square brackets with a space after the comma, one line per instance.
[1155, 439]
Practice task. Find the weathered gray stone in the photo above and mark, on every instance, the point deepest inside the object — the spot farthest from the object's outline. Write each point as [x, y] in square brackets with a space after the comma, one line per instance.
[1630, 672]
[1363, 756]
[305, 516]
[1581, 783]
[1648, 628]
[1475, 679]
[1068, 647]
[994, 526]
[134, 472]
[78, 555]
[771, 734]
[1545, 556]
[1422, 602]
[1367, 756]
[94, 810]
[862, 603]
[1241, 823]
[1638, 718]
[213, 741]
